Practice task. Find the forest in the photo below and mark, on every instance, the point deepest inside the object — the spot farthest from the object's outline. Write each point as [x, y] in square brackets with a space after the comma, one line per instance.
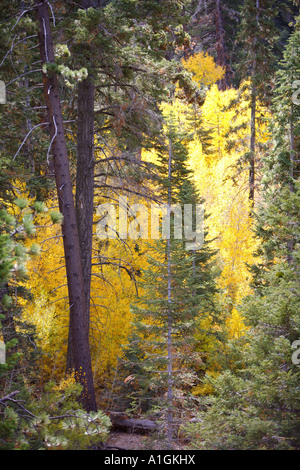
[149, 225]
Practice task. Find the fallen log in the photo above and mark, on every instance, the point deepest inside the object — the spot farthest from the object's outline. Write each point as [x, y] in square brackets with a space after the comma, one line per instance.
[122, 423]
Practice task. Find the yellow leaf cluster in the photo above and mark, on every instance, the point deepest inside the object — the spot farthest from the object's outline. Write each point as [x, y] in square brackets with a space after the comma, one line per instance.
[204, 69]
[112, 291]
[112, 288]
[225, 189]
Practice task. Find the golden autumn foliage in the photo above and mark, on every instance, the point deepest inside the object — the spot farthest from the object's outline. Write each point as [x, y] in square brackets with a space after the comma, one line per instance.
[112, 291]
[225, 189]
[116, 265]
[204, 69]
[48, 310]
[224, 186]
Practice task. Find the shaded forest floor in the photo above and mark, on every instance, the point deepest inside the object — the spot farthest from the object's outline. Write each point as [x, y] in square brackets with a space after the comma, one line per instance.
[134, 441]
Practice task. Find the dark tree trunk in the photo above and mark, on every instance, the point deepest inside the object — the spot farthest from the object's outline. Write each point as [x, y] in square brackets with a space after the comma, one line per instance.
[221, 47]
[84, 198]
[8, 327]
[78, 339]
[85, 182]
[9, 332]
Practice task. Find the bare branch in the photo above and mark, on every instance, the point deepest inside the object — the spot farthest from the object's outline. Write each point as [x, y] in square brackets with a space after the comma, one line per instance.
[56, 269]
[130, 271]
[59, 287]
[50, 238]
[14, 45]
[52, 13]
[20, 16]
[23, 74]
[34, 127]
[52, 140]
[118, 188]
[17, 402]
[8, 397]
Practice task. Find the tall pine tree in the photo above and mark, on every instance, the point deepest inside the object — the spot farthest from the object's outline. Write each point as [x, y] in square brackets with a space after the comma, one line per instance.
[177, 290]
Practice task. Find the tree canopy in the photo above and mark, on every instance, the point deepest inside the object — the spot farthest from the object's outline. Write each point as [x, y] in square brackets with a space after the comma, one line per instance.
[149, 224]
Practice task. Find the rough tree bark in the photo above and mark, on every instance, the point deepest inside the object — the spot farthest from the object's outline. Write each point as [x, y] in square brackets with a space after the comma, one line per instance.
[81, 360]
[120, 421]
[8, 327]
[85, 178]
[85, 185]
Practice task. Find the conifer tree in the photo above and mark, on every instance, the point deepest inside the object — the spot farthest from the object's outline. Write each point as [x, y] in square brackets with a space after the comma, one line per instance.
[281, 163]
[177, 291]
[98, 46]
[258, 402]
[257, 36]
